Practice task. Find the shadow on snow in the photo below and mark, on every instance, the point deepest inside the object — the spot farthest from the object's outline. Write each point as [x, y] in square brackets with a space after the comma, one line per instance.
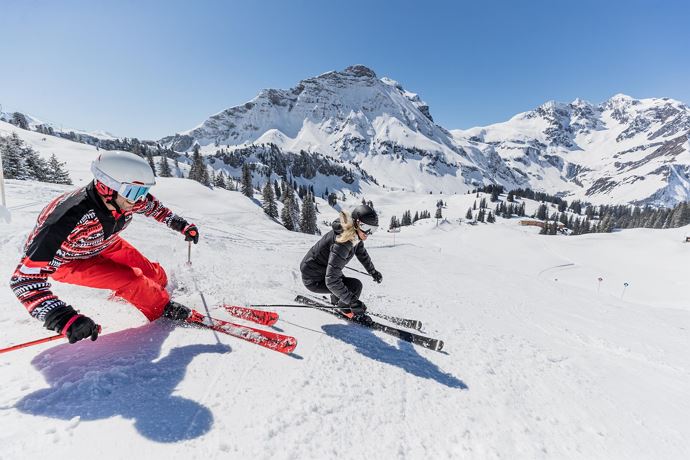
[405, 357]
[120, 375]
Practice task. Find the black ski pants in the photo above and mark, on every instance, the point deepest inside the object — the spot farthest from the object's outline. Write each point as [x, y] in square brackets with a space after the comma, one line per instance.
[352, 284]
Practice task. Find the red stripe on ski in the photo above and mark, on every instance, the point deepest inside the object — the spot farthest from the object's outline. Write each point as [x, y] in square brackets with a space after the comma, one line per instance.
[272, 340]
[267, 318]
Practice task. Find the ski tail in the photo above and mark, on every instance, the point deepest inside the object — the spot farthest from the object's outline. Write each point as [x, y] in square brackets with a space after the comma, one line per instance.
[402, 322]
[265, 318]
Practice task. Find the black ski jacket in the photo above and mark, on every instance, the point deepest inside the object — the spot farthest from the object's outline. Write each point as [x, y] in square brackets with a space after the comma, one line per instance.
[327, 258]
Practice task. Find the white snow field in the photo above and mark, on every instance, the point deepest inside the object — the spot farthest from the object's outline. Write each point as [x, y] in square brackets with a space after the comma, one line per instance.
[540, 359]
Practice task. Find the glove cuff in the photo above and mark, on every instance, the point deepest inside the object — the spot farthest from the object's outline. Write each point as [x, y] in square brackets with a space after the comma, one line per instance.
[177, 223]
[56, 319]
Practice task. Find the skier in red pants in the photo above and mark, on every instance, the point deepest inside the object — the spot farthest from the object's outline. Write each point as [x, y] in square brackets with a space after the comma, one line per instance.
[76, 240]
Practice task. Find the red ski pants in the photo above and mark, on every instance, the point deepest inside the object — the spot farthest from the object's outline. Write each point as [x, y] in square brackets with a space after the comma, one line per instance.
[123, 269]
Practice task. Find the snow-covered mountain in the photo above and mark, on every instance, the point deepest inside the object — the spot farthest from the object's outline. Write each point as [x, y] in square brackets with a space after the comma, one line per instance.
[623, 150]
[34, 124]
[341, 130]
[354, 116]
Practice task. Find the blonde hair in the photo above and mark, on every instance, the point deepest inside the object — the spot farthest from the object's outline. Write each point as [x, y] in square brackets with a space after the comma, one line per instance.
[349, 232]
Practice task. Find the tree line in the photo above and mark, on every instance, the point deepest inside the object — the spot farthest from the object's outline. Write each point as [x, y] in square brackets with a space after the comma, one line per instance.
[20, 161]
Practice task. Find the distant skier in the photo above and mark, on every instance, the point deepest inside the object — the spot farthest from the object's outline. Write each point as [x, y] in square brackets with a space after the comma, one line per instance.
[76, 240]
[322, 267]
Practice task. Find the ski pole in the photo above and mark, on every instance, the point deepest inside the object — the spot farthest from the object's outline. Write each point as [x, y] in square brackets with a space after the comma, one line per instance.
[282, 305]
[189, 254]
[208, 313]
[39, 341]
[358, 271]
[29, 344]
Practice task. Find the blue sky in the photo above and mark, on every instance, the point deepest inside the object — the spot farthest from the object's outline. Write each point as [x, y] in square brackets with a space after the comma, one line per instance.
[149, 68]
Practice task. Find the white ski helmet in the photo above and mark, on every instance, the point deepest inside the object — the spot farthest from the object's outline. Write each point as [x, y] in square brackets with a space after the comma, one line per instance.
[122, 173]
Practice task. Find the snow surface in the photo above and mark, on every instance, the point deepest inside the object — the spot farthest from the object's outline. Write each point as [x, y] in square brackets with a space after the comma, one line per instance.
[541, 360]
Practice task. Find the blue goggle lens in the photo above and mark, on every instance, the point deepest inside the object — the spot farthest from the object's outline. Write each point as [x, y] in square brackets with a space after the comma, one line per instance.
[134, 192]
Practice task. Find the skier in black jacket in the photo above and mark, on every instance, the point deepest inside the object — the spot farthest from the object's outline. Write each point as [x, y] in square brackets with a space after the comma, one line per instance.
[322, 267]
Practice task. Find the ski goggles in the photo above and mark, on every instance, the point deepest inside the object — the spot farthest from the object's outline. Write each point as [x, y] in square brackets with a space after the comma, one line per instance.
[133, 192]
[367, 229]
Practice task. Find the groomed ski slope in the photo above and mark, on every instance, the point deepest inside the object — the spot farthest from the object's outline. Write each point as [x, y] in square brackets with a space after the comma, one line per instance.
[537, 363]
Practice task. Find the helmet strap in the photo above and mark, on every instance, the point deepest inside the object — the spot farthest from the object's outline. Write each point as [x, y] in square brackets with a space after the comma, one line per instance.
[117, 212]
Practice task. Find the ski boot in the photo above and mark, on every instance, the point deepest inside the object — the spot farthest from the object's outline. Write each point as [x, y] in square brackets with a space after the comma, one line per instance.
[362, 318]
[176, 311]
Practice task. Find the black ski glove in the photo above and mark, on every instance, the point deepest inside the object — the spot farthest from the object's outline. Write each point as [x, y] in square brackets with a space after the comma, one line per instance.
[190, 232]
[378, 277]
[65, 320]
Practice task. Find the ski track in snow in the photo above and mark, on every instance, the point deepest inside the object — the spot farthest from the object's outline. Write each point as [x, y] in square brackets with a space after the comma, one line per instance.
[532, 367]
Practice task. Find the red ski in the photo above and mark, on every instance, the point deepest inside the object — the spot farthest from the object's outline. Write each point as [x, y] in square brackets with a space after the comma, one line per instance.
[278, 342]
[266, 318]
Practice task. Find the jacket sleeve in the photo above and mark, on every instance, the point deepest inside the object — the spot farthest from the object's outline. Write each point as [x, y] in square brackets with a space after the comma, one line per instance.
[363, 257]
[29, 282]
[152, 207]
[334, 272]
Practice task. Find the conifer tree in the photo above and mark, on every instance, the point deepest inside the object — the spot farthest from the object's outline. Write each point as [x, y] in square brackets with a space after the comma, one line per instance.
[56, 173]
[220, 180]
[149, 158]
[308, 217]
[286, 214]
[205, 178]
[269, 204]
[196, 169]
[247, 188]
[12, 162]
[277, 189]
[163, 166]
[36, 167]
[19, 120]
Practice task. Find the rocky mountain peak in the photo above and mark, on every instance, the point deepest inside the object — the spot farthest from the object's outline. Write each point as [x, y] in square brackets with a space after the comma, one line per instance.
[359, 70]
